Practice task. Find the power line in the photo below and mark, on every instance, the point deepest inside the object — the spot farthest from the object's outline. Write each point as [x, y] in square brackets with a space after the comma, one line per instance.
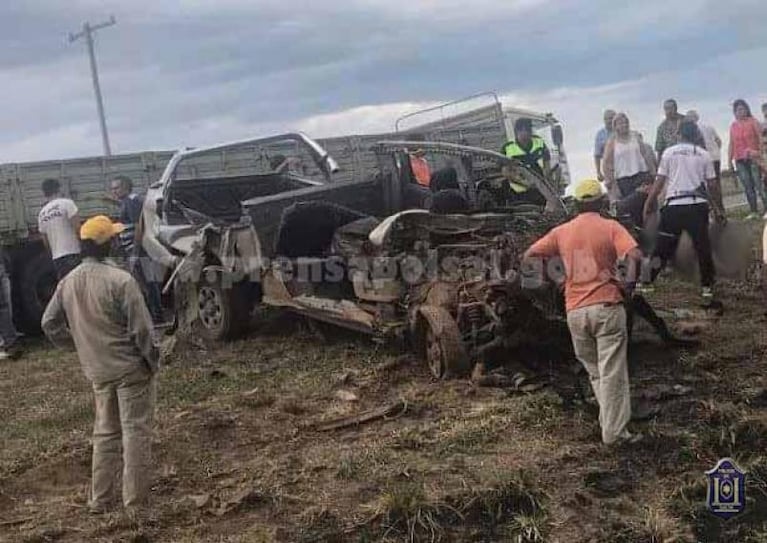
[87, 33]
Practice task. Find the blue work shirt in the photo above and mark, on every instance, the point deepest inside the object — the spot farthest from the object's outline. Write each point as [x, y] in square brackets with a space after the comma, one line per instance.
[130, 213]
[600, 141]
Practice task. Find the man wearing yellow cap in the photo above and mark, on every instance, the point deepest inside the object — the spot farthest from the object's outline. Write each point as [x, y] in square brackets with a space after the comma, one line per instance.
[590, 247]
[101, 309]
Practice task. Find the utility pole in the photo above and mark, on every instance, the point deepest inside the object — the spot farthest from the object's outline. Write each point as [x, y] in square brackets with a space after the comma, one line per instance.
[87, 33]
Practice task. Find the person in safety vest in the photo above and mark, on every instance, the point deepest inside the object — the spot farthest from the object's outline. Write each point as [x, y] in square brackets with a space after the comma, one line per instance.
[528, 148]
[531, 151]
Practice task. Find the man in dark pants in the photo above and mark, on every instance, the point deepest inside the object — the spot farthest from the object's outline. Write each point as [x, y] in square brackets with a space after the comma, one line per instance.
[630, 214]
[689, 172]
[131, 205]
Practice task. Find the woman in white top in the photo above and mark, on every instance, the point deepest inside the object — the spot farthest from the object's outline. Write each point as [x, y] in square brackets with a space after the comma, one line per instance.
[628, 161]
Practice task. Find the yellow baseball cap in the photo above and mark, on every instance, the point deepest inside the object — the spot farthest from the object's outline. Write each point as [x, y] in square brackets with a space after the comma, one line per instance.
[588, 190]
[100, 229]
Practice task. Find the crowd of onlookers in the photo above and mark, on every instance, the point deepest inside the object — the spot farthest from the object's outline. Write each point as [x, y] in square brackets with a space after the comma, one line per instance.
[625, 162]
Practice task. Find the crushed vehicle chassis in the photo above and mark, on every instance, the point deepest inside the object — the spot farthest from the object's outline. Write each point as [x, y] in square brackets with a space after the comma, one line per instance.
[447, 286]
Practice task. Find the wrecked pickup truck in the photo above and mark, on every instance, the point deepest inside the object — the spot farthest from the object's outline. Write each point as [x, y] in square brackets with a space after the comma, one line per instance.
[364, 254]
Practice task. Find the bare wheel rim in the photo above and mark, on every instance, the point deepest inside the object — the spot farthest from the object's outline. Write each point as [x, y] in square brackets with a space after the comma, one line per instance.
[210, 307]
[434, 354]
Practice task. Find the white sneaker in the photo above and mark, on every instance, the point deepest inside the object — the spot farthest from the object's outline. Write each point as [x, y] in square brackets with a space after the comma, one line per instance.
[764, 216]
[752, 216]
[4, 355]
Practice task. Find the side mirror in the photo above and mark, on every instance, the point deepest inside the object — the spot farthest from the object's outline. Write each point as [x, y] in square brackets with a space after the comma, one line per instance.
[557, 135]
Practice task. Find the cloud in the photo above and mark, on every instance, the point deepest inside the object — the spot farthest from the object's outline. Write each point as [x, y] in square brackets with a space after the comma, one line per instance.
[70, 142]
[190, 72]
[370, 119]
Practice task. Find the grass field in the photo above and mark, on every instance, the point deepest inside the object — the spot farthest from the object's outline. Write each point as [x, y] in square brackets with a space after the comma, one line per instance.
[240, 456]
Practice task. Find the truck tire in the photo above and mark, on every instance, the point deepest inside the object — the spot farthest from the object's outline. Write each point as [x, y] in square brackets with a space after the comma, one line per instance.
[36, 282]
[438, 342]
[224, 312]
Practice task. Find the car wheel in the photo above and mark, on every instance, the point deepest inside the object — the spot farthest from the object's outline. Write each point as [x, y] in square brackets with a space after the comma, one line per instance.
[439, 343]
[36, 283]
[223, 311]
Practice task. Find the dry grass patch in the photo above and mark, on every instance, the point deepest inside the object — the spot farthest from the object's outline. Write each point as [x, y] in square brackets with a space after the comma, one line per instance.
[510, 507]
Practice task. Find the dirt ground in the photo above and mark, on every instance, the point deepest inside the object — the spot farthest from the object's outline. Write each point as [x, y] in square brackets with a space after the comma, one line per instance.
[241, 455]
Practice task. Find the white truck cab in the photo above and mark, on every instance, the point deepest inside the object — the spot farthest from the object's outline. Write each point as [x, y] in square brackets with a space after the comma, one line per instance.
[483, 121]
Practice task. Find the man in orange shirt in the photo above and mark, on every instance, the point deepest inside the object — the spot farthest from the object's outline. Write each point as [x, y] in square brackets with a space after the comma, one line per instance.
[590, 247]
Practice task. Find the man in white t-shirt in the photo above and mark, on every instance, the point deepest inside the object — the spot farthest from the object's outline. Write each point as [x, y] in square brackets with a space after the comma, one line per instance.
[689, 172]
[59, 224]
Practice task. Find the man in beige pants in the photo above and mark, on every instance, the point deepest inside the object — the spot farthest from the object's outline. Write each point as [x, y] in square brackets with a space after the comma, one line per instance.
[590, 247]
[100, 307]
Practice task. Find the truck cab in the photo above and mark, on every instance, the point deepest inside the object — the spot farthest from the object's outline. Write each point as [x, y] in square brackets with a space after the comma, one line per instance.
[550, 129]
[482, 120]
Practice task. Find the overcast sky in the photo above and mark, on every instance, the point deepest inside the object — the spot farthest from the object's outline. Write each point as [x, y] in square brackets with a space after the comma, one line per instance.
[193, 72]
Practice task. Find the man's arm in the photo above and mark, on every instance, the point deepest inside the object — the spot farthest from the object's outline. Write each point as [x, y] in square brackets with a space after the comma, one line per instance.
[729, 153]
[75, 222]
[714, 192]
[138, 234]
[140, 324]
[608, 164]
[717, 203]
[54, 323]
[546, 161]
[43, 235]
[533, 261]
[599, 152]
[627, 250]
[545, 247]
[651, 204]
[74, 217]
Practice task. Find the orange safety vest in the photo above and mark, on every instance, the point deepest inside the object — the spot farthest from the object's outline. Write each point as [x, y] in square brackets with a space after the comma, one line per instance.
[421, 170]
